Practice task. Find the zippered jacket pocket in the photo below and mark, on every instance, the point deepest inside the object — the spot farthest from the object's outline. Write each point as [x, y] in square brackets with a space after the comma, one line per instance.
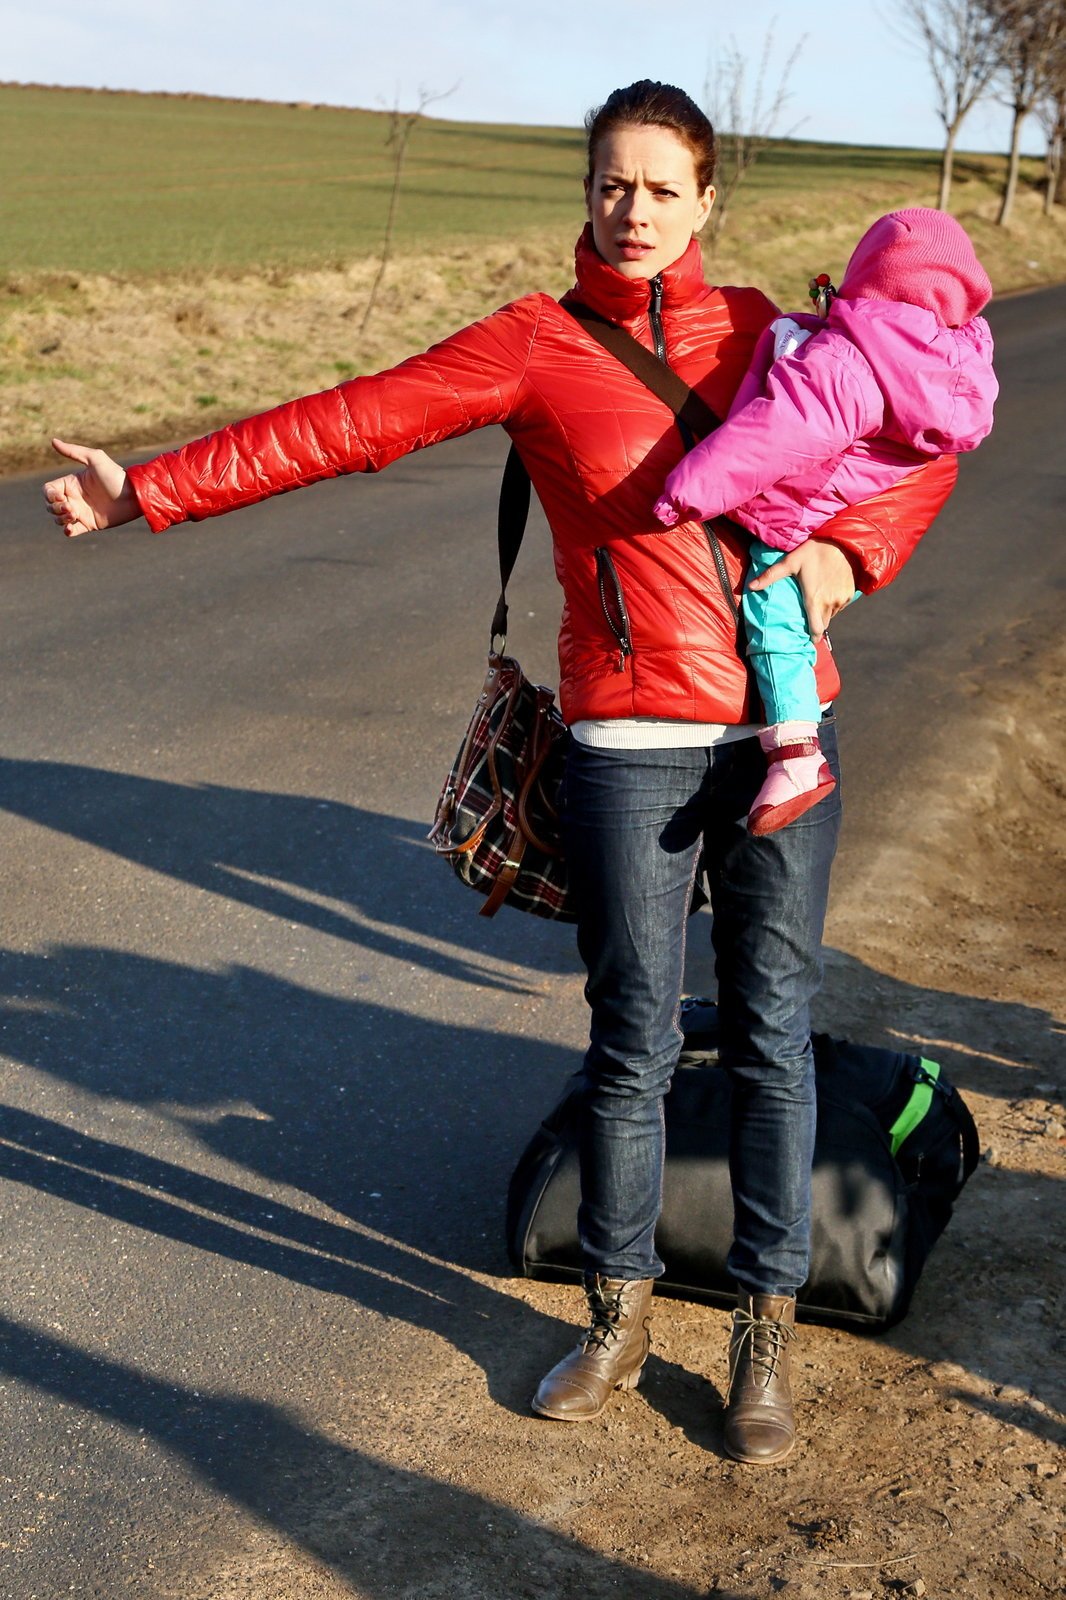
[613, 601]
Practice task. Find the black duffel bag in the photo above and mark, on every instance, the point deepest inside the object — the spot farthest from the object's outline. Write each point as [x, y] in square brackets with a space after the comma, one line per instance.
[895, 1144]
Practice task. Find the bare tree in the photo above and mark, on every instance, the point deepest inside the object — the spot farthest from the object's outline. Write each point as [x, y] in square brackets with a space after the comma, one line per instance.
[1051, 110]
[401, 126]
[1030, 35]
[746, 124]
[959, 41]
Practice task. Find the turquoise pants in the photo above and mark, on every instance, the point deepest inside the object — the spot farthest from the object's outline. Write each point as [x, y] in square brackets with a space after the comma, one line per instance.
[780, 647]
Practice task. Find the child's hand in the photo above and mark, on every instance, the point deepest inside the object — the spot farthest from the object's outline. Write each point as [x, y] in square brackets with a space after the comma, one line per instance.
[676, 503]
[668, 511]
[99, 496]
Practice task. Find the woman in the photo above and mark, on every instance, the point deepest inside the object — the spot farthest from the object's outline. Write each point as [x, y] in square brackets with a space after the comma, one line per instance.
[664, 760]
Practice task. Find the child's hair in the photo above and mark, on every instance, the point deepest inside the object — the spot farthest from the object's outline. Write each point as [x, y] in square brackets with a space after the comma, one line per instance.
[656, 105]
[922, 256]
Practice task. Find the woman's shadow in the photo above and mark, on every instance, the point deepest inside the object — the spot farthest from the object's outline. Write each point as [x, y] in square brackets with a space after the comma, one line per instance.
[390, 1124]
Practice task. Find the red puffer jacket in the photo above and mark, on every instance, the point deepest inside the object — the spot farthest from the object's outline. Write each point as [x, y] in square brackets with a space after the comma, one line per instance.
[646, 627]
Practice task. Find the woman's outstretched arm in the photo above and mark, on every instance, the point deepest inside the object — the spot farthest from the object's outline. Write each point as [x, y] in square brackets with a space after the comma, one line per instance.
[468, 381]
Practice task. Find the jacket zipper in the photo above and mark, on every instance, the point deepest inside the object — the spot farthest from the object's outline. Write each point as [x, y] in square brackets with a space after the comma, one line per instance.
[720, 568]
[612, 599]
[655, 323]
[611, 592]
[655, 317]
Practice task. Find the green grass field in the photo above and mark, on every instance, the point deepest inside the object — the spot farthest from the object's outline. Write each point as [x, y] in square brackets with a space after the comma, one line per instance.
[124, 183]
[169, 263]
[107, 182]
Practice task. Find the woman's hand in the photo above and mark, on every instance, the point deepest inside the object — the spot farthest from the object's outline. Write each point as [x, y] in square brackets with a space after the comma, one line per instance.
[99, 496]
[826, 581]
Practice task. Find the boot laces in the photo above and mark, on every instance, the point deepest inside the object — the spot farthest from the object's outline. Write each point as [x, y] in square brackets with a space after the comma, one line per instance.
[762, 1341]
[607, 1312]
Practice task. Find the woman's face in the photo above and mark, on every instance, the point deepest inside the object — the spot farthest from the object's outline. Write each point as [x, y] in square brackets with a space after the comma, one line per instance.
[644, 200]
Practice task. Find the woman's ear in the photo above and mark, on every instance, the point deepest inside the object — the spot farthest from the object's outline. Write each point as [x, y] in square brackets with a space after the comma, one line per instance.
[588, 198]
[704, 207]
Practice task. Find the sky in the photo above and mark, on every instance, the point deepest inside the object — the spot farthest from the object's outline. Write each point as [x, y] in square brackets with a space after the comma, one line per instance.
[856, 79]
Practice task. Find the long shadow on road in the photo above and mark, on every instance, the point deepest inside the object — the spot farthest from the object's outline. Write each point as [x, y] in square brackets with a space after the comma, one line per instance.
[382, 1529]
[404, 1126]
[334, 868]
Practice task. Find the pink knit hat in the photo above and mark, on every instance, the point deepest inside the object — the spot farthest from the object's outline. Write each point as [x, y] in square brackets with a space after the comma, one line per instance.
[921, 256]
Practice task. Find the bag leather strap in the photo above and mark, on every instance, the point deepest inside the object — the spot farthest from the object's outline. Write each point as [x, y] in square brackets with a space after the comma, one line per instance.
[510, 530]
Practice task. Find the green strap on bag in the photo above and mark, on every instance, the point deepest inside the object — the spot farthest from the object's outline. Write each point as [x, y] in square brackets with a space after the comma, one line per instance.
[917, 1107]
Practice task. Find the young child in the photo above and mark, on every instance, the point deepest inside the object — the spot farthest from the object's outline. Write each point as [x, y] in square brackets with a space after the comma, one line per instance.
[829, 413]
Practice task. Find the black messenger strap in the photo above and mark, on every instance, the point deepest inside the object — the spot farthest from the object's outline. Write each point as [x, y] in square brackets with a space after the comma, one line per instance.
[510, 530]
[694, 417]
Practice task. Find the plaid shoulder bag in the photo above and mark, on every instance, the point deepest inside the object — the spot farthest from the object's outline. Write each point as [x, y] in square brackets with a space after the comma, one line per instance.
[497, 819]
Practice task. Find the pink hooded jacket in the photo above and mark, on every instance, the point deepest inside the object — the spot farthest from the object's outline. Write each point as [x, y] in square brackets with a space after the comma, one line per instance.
[879, 387]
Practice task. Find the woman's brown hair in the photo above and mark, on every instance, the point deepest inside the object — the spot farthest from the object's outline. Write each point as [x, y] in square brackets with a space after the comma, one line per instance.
[656, 105]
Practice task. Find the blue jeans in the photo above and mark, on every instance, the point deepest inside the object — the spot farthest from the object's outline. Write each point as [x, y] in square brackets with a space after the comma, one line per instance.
[635, 823]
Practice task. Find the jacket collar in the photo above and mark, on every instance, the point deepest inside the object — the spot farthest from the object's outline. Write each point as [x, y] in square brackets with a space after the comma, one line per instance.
[623, 299]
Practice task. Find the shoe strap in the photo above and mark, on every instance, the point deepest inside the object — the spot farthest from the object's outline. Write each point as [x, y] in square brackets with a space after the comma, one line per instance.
[800, 747]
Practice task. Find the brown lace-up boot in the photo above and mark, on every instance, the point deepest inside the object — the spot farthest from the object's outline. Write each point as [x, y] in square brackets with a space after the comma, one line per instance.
[760, 1427]
[611, 1353]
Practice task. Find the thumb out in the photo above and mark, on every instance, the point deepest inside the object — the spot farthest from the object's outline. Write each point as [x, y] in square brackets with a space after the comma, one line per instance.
[76, 452]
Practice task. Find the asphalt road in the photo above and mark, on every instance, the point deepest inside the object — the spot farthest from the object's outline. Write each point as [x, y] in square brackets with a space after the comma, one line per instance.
[264, 1070]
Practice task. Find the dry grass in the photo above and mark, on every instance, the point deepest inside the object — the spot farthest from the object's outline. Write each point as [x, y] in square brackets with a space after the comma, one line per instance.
[128, 363]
